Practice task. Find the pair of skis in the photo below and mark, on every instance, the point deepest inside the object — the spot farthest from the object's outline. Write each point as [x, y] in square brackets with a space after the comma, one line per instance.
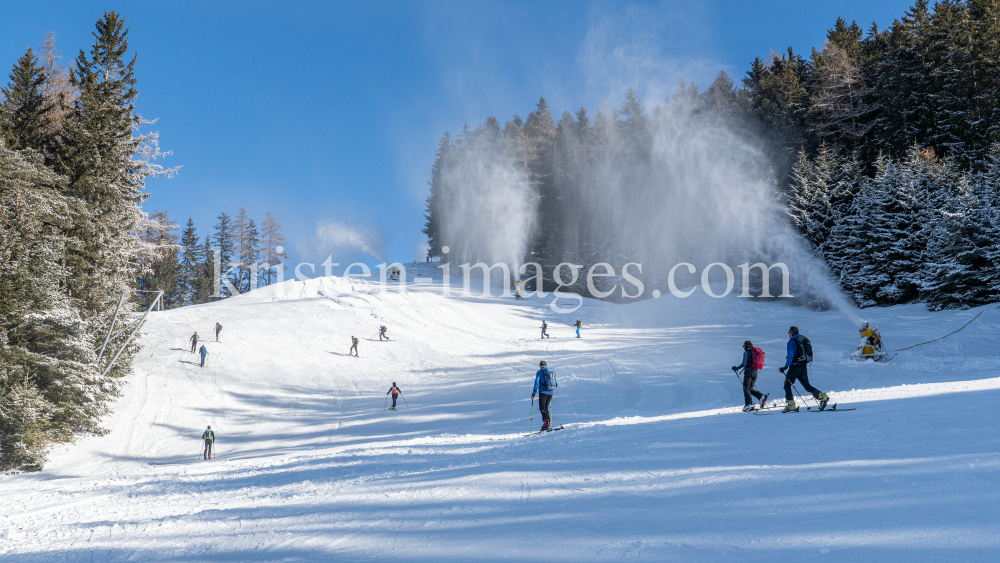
[541, 431]
[808, 409]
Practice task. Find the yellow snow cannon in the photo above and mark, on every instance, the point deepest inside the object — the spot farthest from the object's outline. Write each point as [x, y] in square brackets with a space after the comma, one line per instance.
[871, 345]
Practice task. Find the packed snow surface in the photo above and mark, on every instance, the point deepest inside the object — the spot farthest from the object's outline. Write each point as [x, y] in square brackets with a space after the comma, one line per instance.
[655, 463]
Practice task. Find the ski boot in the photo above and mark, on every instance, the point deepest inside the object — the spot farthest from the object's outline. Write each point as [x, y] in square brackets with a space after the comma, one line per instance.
[545, 425]
[823, 400]
[790, 406]
[763, 400]
[747, 408]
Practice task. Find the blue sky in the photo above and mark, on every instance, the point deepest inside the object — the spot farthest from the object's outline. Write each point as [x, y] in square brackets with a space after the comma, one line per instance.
[328, 113]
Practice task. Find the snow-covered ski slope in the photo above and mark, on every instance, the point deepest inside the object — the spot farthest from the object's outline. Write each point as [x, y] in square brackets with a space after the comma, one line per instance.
[655, 464]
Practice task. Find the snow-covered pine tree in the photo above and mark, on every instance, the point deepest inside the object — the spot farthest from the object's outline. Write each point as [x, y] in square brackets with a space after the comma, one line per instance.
[106, 165]
[25, 113]
[225, 241]
[878, 245]
[957, 270]
[190, 264]
[272, 248]
[50, 385]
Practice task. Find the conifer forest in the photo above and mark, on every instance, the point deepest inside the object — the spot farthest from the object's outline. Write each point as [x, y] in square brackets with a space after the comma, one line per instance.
[76, 245]
[881, 146]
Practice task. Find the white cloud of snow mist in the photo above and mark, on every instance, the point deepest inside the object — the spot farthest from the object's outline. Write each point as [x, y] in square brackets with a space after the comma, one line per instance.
[705, 194]
[494, 209]
[338, 236]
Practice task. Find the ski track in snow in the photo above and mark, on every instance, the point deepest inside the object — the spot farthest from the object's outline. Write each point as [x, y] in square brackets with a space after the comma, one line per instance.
[655, 462]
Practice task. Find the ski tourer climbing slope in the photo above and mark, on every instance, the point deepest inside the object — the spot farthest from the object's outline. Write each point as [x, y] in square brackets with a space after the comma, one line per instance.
[218, 329]
[209, 437]
[545, 385]
[753, 362]
[396, 391]
[194, 342]
[204, 353]
[354, 347]
[797, 358]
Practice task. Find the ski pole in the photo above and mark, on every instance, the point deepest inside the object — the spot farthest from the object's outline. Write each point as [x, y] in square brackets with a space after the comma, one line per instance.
[386, 402]
[531, 415]
[801, 397]
[404, 400]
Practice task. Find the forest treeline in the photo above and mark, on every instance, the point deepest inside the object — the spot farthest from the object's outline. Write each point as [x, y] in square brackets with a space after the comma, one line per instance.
[882, 143]
[74, 157]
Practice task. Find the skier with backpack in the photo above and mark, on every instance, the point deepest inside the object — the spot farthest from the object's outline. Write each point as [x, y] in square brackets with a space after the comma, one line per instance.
[218, 329]
[396, 391]
[797, 359]
[545, 385]
[381, 333]
[578, 325]
[354, 347]
[209, 438]
[545, 329]
[204, 353]
[753, 362]
[194, 342]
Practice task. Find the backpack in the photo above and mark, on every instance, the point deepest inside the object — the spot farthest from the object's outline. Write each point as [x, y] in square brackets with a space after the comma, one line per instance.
[756, 358]
[549, 382]
[805, 351]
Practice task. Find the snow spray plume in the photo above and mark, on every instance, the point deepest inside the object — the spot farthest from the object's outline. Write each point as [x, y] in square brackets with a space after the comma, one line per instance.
[342, 236]
[680, 185]
[487, 205]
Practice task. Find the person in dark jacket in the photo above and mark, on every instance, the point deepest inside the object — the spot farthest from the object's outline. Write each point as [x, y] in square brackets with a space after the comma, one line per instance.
[194, 342]
[395, 393]
[545, 329]
[218, 329]
[354, 347]
[544, 393]
[796, 368]
[749, 379]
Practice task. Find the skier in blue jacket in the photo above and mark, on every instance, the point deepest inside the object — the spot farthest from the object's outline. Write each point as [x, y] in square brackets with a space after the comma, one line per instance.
[796, 360]
[543, 391]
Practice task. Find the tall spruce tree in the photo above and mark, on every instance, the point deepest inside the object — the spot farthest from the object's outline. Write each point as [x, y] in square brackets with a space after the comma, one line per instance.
[98, 160]
[225, 242]
[25, 113]
[190, 264]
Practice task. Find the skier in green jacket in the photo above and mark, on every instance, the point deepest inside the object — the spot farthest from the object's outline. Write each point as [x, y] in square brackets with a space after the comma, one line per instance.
[209, 438]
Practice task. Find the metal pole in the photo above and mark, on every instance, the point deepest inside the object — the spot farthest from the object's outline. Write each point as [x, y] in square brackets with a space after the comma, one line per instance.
[114, 319]
[129, 339]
